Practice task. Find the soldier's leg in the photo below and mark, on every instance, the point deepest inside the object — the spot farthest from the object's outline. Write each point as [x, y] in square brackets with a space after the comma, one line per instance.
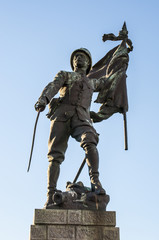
[57, 145]
[89, 140]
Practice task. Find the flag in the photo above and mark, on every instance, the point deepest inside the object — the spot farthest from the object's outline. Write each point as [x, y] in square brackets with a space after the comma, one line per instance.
[113, 96]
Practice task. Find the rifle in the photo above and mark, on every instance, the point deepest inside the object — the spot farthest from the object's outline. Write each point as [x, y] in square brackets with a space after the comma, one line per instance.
[79, 171]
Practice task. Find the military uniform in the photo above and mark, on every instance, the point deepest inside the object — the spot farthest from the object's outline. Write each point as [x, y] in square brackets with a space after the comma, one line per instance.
[71, 118]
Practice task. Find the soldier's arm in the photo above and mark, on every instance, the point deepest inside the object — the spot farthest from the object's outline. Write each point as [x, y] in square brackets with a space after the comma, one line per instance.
[51, 90]
[102, 83]
[99, 84]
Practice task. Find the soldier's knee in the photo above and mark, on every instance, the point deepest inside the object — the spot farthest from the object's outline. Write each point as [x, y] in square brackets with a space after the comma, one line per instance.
[89, 140]
[57, 158]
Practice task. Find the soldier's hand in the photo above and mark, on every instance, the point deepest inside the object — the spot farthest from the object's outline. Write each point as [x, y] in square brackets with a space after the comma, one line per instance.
[39, 106]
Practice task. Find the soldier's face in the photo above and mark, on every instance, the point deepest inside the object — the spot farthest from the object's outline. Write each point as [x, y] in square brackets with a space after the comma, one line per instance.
[80, 60]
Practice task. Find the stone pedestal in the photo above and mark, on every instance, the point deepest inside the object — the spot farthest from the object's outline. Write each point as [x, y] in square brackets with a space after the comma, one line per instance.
[61, 224]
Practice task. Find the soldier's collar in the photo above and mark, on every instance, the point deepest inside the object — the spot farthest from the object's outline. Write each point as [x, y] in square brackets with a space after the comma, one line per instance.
[81, 73]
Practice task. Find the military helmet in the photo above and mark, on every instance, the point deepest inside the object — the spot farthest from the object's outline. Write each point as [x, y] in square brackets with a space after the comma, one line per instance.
[84, 50]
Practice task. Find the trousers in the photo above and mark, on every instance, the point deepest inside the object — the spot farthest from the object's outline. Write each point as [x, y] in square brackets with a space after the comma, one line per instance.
[60, 131]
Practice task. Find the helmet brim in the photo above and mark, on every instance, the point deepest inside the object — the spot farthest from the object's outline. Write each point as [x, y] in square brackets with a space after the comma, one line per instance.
[74, 53]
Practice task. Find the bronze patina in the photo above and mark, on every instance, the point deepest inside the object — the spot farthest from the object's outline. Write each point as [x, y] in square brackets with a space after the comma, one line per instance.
[70, 114]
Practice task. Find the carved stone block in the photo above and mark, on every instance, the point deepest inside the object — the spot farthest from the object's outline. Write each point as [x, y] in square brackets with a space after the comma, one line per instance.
[50, 216]
[61, 232]
[110, 233]
[88, 233]
[74, 217]
[38, 232]
[64, 224]
[101, 218]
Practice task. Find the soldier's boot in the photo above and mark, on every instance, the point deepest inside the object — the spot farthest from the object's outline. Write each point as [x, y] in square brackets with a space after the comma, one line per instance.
[92, 159]
[53, 174]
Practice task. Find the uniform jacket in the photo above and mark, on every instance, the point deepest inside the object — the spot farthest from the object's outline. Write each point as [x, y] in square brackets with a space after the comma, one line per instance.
[76, 92]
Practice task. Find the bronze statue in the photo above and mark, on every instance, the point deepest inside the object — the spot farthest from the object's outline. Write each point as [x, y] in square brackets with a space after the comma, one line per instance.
[72, 118]
[70, 114]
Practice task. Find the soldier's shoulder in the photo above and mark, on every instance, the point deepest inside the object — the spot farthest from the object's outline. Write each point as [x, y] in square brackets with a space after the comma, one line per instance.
[68, 74]
[62, 74]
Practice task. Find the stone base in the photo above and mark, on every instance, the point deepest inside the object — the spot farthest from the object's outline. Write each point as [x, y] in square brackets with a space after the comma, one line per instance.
[61, 224]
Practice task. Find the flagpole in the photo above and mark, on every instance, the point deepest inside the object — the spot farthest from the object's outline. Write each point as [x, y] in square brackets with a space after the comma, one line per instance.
[125, 131]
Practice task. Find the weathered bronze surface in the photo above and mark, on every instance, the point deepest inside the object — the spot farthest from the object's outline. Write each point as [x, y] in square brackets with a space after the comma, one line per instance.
[70, 114]
[32, 146]
[77, 196]
[113, 96]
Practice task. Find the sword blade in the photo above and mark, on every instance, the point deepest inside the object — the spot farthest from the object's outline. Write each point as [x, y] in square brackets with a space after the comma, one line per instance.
[33, 139]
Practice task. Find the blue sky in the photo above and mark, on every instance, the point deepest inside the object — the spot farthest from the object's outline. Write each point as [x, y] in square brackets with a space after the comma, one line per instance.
[37, 38]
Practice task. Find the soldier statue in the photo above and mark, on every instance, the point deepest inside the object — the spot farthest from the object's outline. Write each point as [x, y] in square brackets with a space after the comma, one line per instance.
[70, 114]
[71, 117]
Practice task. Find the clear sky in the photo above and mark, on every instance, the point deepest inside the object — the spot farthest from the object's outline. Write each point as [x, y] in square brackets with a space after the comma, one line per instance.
[36, 40]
